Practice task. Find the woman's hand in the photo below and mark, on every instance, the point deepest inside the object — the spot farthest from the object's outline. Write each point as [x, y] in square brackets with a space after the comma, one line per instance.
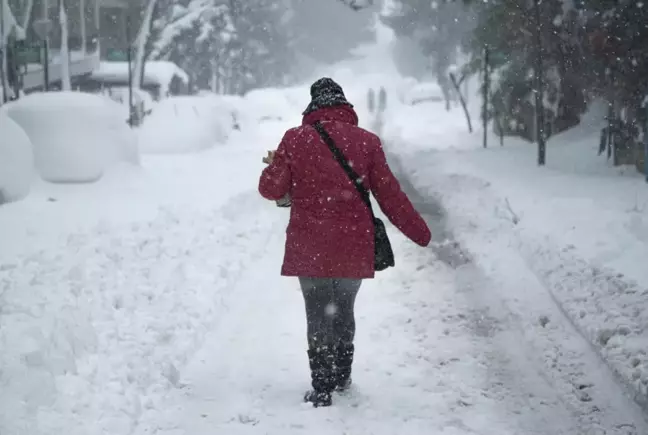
[269, 158]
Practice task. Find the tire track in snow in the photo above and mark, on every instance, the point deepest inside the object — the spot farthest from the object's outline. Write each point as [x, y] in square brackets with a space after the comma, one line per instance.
[499, 288]
[431, 358]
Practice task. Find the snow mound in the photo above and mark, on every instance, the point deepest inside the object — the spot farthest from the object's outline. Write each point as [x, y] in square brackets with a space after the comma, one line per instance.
[277, 104]
[234, 105]
[142, 100]
[16, 161]
[184, 125]
[75, 136]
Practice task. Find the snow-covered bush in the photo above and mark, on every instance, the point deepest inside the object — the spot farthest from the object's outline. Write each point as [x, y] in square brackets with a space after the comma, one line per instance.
[75, 136]
[16, 161]
[185, 125]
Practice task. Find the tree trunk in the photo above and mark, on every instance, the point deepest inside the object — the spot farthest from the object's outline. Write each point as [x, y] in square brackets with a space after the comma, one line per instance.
[486, 91]
[66, 84]
[4, 10]
[539, 91]
[84, 31]
[27, 16]
[462, 101]
[142, 37]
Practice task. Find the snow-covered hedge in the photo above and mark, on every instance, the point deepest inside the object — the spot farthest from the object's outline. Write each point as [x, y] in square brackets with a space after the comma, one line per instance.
[186, 125]
[75, 136]
[16, 161]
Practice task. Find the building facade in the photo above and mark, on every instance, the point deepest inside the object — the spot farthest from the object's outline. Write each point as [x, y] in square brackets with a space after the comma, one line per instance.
[96, 28]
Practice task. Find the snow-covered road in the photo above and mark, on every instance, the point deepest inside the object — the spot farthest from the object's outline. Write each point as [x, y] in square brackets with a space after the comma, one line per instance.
[443, 347]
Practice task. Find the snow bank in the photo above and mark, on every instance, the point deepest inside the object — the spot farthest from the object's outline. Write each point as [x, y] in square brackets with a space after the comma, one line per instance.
[75, 136]
[186, 125]
[580, 224]
[16, 161]
[126, 277]
[142, 100]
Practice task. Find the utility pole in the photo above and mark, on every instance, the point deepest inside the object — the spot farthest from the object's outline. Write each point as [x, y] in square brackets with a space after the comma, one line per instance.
[129, 57]
[645, 143]
[539, 92]
[43, 29]
[486, 89]
[3, 50]
[46, 45]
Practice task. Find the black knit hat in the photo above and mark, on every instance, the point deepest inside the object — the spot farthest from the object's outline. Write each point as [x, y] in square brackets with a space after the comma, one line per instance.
[326, 93]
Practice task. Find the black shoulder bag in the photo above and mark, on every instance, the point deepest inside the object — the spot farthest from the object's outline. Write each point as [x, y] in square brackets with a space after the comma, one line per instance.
[384, 256]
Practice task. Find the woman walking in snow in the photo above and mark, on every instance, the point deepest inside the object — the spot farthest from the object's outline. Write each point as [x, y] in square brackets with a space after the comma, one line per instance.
[327, 166]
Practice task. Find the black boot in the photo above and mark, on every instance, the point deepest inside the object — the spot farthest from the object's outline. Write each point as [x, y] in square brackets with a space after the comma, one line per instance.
[321, 362]
[343, 363]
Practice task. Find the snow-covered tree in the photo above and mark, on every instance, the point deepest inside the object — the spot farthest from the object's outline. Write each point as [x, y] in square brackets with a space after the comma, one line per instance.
[314, 35]
[8, 24]
[264, 44]
[140, 45]
[193, 35]
[229, 46]
[435, 29]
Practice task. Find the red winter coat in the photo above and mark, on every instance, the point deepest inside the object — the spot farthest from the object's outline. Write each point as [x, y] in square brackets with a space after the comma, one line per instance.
[331, 233]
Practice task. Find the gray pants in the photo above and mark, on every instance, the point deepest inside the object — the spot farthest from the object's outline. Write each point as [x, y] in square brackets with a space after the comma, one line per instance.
[329, 310]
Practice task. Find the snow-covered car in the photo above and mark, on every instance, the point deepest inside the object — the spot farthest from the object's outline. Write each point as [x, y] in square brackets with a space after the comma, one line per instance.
[16, 161]
[142, 101]
[234, 104]
[76, 136]
[179, 125]
[277, 104]
[422, 93]
[161, 78]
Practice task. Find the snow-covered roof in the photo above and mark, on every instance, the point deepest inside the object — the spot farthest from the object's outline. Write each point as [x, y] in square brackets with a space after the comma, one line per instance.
[159, 72]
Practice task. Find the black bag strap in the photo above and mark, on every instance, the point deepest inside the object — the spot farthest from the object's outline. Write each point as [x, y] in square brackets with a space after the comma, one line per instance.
[353, 175]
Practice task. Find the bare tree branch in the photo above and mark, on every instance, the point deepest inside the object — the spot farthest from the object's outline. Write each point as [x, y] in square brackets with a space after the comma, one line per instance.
[462, 100]
[514, 217]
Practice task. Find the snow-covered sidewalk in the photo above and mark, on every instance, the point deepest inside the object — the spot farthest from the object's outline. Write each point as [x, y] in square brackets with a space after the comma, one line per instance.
[580, 225]
[108, 289]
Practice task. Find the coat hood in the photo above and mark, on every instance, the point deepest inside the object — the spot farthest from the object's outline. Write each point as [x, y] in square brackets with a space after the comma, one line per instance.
[341, 113]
